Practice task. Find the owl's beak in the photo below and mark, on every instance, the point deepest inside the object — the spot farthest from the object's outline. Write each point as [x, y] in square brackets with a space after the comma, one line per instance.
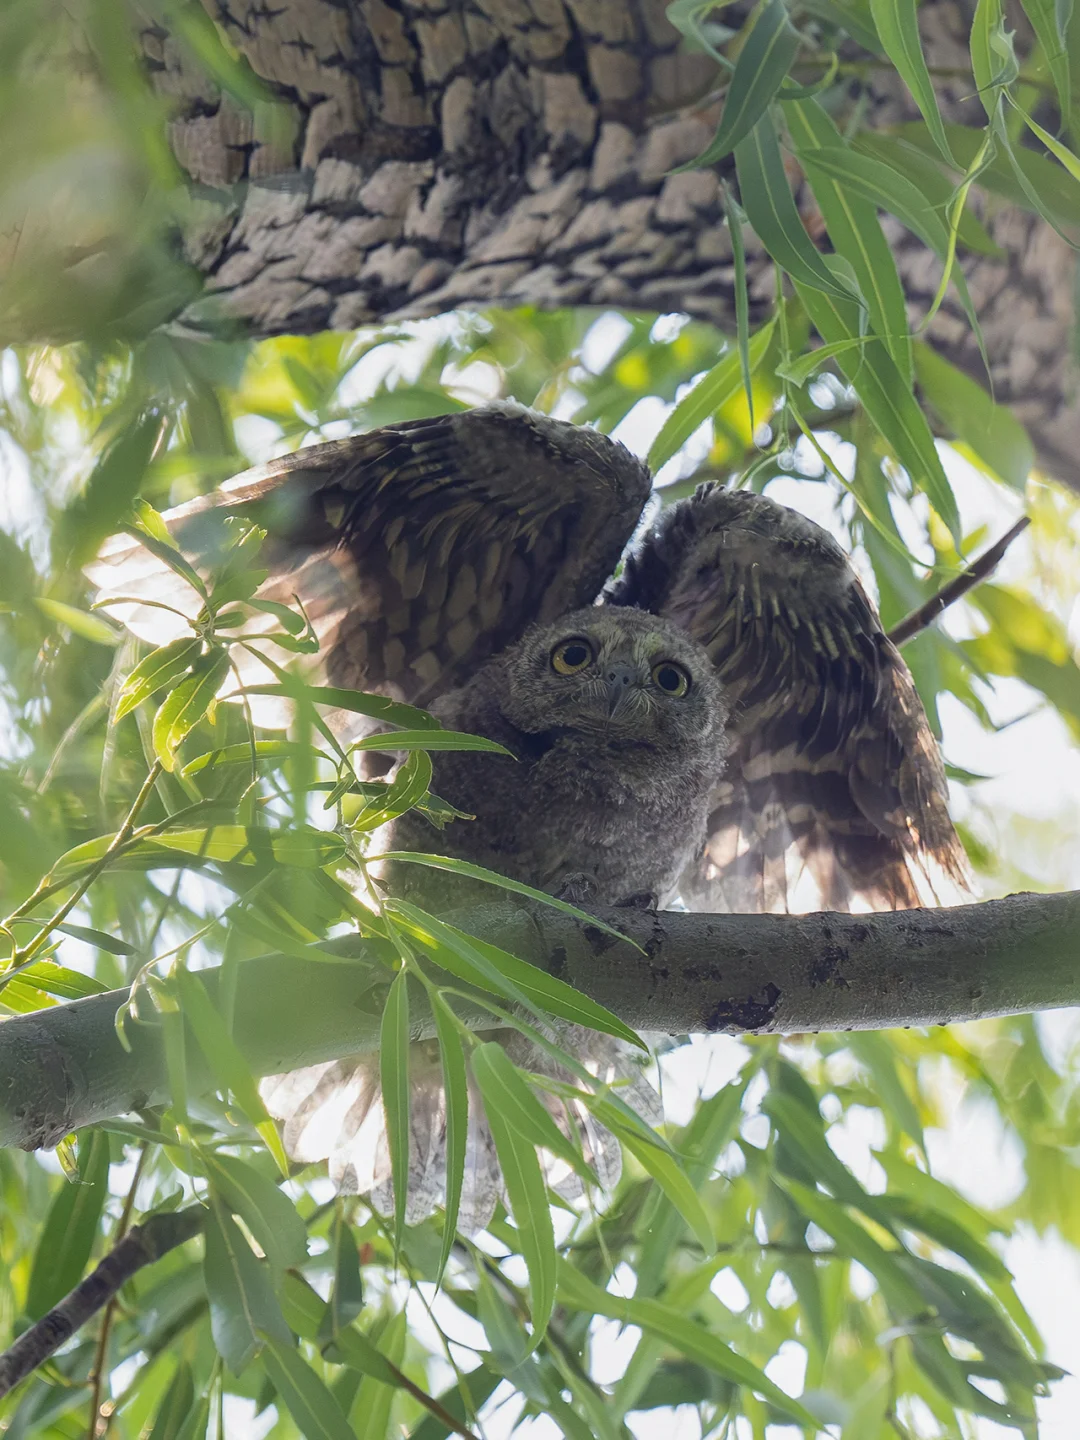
[622, 682]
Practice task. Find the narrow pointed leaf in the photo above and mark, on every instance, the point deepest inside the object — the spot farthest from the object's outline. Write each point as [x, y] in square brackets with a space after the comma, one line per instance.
[268, 1213]
[186, 705]
[710, 394]
[394, 1075]
[770, 206]
[502, 1084]
[898, 28]
[455, 1086]
[161, 667]
[243, 1307]
[481, 963]
[532, 1213]
[317, 1414]
[226, 1063]
[760, 70]
[577, 1292]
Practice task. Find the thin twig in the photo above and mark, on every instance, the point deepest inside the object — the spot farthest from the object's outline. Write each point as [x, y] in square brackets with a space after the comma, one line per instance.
[141, 1246]
[97, 1374]
[974, 575]
[25, 953]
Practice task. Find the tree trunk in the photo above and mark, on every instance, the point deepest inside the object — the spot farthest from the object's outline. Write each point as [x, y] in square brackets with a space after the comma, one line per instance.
[436, 153]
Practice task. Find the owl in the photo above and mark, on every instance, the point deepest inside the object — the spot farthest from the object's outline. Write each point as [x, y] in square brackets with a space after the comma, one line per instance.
[707, 714]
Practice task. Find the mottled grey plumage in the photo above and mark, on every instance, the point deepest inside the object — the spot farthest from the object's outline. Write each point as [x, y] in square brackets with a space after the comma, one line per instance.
[446, 561]
[608, 793]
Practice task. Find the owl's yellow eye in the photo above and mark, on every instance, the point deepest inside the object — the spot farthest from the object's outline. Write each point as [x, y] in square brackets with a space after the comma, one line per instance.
[570, 656]
[671, 678]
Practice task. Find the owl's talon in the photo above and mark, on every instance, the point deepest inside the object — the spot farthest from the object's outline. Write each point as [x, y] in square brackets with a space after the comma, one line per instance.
[578, 889]
[646, 900]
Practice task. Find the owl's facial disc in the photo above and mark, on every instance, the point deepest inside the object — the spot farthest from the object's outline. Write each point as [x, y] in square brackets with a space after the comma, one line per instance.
[618, 676]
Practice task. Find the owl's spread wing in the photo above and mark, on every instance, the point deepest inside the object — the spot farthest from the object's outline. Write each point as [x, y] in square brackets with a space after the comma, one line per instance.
[835, 794]
[418, 550]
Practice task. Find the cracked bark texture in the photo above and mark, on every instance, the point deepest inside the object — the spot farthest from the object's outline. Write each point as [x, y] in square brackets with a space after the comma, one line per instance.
[429, 154]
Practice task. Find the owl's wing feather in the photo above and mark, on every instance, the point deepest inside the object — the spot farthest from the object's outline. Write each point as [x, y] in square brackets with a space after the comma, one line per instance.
[834, 796]
[418, 550]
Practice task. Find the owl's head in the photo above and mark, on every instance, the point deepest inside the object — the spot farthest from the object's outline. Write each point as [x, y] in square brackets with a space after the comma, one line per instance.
[623, 676]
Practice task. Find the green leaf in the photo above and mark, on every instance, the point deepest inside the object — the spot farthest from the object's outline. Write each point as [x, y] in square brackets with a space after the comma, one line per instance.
[455, 1087]
[664, 1168]
[240, 754]
[89, 936]
[1056, 148]
[853, 228]
[353, 1348]
[837, 168]
[109, 491]
[701, 1144]
[394, 1075]
[760, 70]
[803, 1134]
[176, 1406]
[228, 1066]
[169, 555]
[70, 1229]
[991, 431]
[936, 191]
[317, 1414]
[887, 400]
[408, 788]
[1051, 34]
[268, 1214]
[1018, 176]
[376, 707]
[735, 217]
[161, 667]
[767, 199]
[711, 392]
[469, 871]
[303, 847]
[79, 622]
[195, 1426]
[898, 27]
[502, 1084]
[429, 740]
[873, 1050]
[186, 705]
[529, 1205]
[577, 1292]
[480, 963]
[370, 1412]
[243, 1307]
[347, 1290]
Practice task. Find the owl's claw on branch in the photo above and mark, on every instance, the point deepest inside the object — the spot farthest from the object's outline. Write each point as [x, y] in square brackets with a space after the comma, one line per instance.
[578, 889]
[645, 900]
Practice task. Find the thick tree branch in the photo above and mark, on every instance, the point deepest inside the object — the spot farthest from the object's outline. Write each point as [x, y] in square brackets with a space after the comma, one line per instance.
[64, 1067]
[948, 595]
[141, 1246]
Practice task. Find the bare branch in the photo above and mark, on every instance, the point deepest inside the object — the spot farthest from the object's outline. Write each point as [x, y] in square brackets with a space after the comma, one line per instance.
[143, 1245]
[974, 575]
[64, 1067]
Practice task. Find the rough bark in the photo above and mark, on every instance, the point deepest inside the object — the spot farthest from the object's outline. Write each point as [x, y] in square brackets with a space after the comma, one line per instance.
[64, 1067]
[437, 153]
